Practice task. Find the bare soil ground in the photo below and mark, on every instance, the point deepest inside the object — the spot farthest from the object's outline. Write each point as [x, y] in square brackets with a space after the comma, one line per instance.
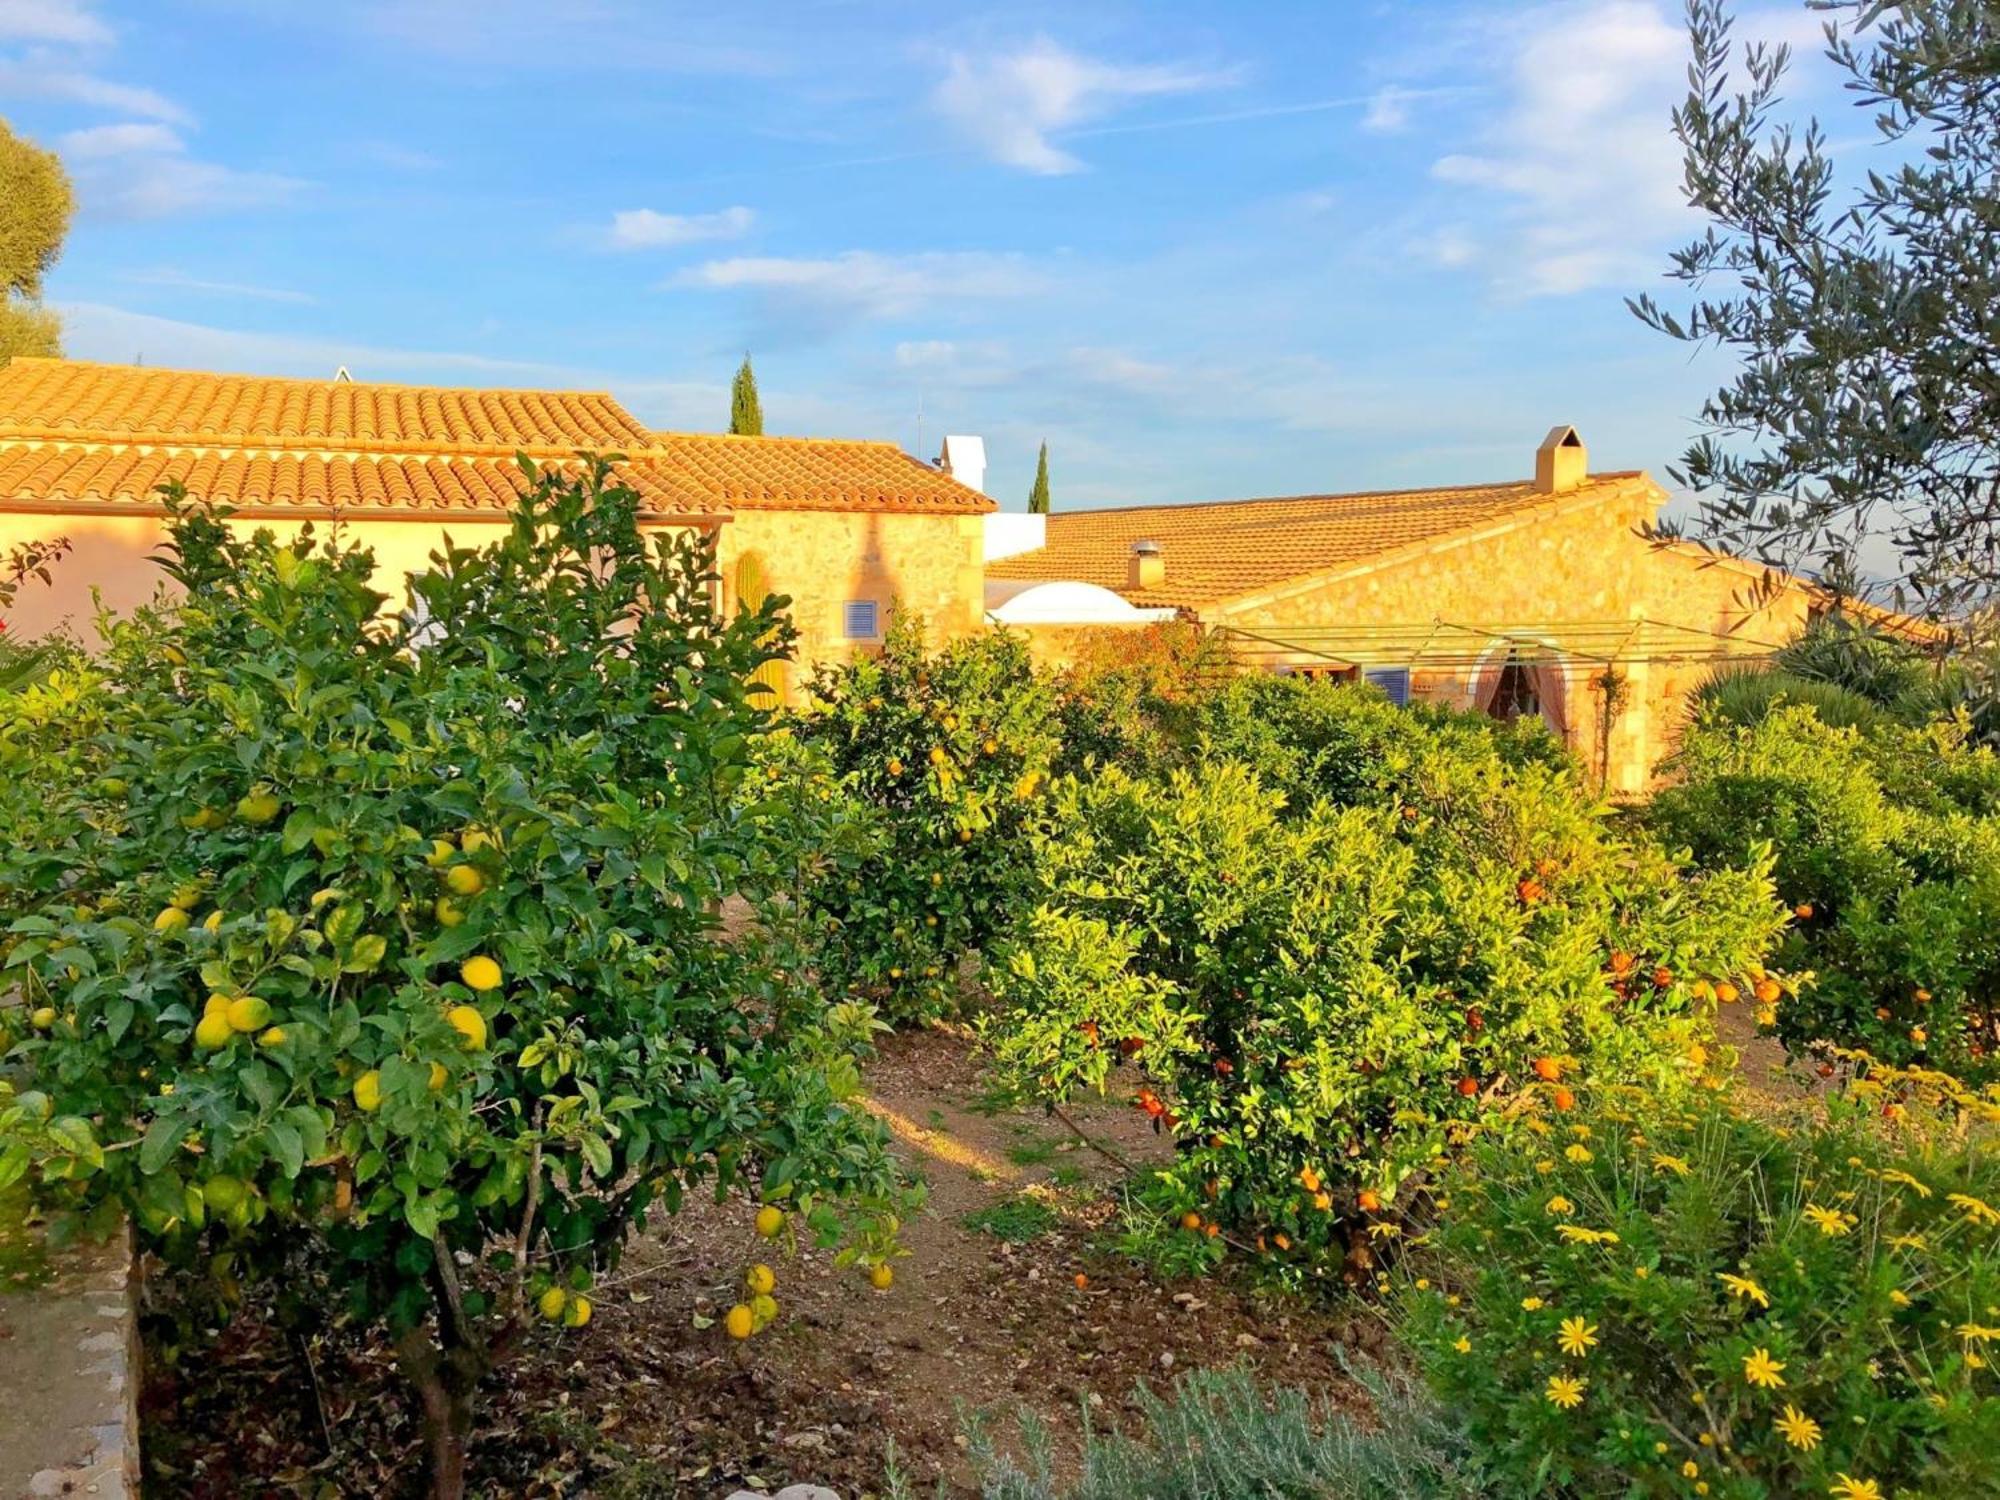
[647, 1403]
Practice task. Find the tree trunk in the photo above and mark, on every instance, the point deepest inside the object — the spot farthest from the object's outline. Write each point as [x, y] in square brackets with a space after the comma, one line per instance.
[445, 1382]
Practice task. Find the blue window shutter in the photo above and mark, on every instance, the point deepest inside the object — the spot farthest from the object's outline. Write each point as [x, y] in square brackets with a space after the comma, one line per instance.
[1395, 681]
[861, 620]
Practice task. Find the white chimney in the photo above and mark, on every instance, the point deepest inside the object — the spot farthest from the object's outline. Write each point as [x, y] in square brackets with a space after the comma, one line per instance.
[964, 459]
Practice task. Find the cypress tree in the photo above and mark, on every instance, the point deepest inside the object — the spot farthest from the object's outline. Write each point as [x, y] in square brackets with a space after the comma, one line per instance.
[746, 412]
[1038, 497]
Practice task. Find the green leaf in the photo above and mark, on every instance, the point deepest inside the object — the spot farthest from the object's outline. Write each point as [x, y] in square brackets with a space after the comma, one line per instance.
[163, 1138]
[367, 953]
[298, 830]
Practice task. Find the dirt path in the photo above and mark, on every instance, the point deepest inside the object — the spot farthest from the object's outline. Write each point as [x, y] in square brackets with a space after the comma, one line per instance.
[985, 1313]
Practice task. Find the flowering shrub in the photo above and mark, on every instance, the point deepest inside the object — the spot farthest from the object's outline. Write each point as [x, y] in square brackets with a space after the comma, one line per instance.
[1888, 845]
[386, 961]
[1318, 1000]
[946, 756]
[1700, 1302]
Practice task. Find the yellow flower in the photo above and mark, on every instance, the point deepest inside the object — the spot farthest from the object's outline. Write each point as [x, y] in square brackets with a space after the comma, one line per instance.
[1545, 1167]
[1464, 1345]
[1578, 1153]
[1674, 1164]
[1760, 1369]
[1798, 1429]
[1690, 1469]
[1577, 1337]
[1977, 1333]
[1899, 1297]
[1830, 1221]
[1743, 1286]
[1576, 1234]
[1382, 1230]
[1565, 1391]
[1975, 1208]
[1641, 1272]
[1847, 1487]
[1904, 1179]
[1532, 1304]
[1560, 1205]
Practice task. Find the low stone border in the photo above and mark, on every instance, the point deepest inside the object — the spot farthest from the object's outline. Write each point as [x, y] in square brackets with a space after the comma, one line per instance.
[69, 1379]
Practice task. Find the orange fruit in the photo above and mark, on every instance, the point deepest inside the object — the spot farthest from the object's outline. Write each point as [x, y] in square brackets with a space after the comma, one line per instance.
[1547, 1069]
[1190, 1220]
[1563, 1099]
[1082, 1281]
[882, 1277]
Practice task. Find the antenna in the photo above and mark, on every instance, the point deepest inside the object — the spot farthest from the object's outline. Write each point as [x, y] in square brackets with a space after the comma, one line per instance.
[341, 377]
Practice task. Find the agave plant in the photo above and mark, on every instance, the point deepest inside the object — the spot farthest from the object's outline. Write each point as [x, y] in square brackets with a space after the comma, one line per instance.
[1749, 694]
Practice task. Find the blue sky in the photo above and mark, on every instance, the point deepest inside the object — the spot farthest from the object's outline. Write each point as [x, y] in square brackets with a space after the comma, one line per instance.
[1205, 251]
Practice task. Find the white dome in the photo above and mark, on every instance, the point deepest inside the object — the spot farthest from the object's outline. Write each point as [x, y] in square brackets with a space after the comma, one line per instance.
[1022, 602]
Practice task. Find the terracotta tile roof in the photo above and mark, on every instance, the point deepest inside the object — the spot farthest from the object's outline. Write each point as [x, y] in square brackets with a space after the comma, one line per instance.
[779, 473]
[80, 435]
[1226, 549]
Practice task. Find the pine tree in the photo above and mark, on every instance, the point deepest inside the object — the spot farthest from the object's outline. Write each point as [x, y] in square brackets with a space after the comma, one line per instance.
[746, 412]
[1038, 497]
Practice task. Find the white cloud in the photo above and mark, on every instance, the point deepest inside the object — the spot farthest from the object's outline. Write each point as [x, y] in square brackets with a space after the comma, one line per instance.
[62, 21]
[38, 80]
[100, 141]
[1388, 110]
[863, 283]
[168, 276]
[1009, 105]
[1580, 167]
[143, 171]
[646, 229]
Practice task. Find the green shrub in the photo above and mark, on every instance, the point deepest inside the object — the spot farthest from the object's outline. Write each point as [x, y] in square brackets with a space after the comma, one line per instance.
[1215, 1435]
[946, 756]
[1701, 1302]
[367, 959]
[1319, 1000]
[1887, 842]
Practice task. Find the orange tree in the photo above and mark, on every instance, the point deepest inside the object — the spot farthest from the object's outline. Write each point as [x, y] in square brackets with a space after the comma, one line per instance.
[946, 758]
[1888, 848]
[385, 958]
[1319, 996]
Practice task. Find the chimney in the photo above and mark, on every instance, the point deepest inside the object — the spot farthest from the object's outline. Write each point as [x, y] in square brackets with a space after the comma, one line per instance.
[1148, 567]
[964, 459]
[1561, 462]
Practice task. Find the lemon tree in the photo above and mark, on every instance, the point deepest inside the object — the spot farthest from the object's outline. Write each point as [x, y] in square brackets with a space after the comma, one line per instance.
[383, 956]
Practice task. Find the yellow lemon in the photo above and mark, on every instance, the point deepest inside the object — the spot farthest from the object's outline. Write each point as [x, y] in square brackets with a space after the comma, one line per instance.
[464, 880]
[441, 853]
[275, 1037]
[761, 1280]
[174, 656]
[43, 1018]
[769, 1221]
[249, 1014]
[551, 1303]
[480, 973]
[185, 896]
[475, 839]
[740, 1322]
[468, 1023]
[763, 1310]
[439, 1078]
[449, 912]
[259, 807]
[368, 1092]
[214, 922]
[170, 921]
[217, 1004]
[214, 1031]
[882, 1277]
[577, 1313]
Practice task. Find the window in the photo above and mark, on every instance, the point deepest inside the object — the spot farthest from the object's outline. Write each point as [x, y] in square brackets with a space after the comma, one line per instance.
[1395, 681]
[1516, 695]
[861, 620]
